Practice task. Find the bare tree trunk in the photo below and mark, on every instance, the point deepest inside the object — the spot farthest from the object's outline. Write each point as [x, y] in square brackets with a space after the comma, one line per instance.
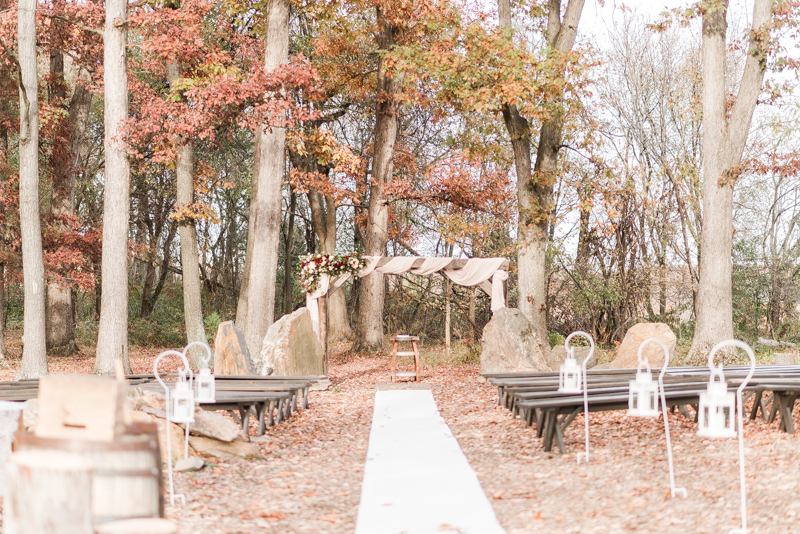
[369, 329]
[190, 259]
[471, 318]
[60, 325]
[112, 338]
[287, 260]
[34, 355]
[447, 314]
[265, 205]
[4, 152]
[723, 146]
[241, 304]
[323, 220]
[535, 189]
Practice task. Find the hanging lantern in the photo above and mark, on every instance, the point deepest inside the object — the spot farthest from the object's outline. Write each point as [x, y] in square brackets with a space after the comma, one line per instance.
[569, 378]
[643, 394]
[182, 401]
[204, 386]
[716, 408]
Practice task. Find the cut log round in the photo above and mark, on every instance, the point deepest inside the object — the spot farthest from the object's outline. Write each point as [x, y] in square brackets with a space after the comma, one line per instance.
[127, 478]
[137, 526]
[49, 492]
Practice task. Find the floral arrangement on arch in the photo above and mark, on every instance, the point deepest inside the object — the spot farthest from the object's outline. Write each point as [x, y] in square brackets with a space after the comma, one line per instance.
[315, 265]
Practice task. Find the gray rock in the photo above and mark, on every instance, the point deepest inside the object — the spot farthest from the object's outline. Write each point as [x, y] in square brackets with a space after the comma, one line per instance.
[192, 463]
[558, 354]
[628, 350]
[213, 425]
[291, 347]
[231, 356]
[775, 343]
[510, 344]
[221, 449]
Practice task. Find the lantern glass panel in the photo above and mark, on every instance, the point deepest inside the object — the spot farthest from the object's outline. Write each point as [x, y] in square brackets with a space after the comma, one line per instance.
[716, 410]
[204, 384]
[643, 396]
[182, 403]
[570, 376]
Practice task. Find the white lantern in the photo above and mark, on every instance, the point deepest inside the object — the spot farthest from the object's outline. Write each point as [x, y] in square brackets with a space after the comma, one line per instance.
[717, 408]
[643, 395]
[569, 378]
[204, 386]
[182, 401]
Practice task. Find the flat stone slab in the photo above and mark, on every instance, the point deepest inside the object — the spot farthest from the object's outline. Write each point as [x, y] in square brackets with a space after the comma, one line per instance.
[416, 479]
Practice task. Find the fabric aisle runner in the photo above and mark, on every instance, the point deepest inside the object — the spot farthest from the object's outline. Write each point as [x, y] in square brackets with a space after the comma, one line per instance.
[416, 479]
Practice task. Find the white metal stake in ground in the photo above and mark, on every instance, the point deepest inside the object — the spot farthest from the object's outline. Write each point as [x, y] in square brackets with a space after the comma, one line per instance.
[571, 354]
[640, 389]
[714, 426]
[416, 479]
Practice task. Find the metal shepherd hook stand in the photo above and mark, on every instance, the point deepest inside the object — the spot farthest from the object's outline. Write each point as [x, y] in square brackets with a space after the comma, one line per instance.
[713, 407]
[642, 401]
[569, 373]
[179, 409]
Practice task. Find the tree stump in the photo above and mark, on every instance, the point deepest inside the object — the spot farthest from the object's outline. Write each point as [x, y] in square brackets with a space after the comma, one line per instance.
[137, 526]
[49, 492]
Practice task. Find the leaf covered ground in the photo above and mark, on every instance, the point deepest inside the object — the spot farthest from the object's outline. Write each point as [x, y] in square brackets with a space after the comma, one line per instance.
[309, 479]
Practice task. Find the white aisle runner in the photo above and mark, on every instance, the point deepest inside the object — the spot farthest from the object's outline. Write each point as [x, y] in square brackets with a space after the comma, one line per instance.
[416, 479]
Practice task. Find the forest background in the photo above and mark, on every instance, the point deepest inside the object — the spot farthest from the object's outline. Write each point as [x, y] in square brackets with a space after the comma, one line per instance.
[412, 117]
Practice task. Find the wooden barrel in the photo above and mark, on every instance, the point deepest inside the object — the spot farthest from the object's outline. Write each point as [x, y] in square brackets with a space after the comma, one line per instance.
[127, 478]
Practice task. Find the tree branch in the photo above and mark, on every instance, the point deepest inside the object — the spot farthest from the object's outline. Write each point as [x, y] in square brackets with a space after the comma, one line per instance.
[752, 78]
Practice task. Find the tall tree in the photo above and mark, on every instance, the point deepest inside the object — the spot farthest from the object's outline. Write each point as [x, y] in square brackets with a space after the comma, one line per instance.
[190, 259]
[369, 326]
[60, 326]
[34, 355]
[724, 138]
[257, 297]
[112, 338]
[535, 186]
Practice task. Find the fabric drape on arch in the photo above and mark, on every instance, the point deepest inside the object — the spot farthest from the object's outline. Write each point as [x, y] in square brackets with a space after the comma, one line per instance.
[484, 272]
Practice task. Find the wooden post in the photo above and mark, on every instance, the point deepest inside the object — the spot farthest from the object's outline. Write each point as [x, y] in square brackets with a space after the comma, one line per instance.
[472, 314]
[323, 330]
[447, 314]
[49, 492]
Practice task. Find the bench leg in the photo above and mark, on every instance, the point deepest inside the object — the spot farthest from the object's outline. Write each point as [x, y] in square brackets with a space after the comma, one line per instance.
[246, 420]
[271, 413]
[294, 401]
[262, 410]
[756, 404]
[777, 400]
[305, 398]
[549, 430]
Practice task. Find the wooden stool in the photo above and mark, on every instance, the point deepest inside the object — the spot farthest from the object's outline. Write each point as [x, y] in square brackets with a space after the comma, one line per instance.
[415, 353]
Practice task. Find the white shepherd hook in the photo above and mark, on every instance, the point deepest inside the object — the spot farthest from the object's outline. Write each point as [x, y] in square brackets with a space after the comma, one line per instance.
[672, 488]
[167, 421]
[571, 351]
[740, 420]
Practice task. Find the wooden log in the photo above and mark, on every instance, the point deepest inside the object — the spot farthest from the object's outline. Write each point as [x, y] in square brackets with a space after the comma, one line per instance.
[137, 526]
[49, 492]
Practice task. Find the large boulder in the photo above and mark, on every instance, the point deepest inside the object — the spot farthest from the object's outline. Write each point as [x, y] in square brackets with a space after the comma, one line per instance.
[231, 356]
[556, 356]
[510, 344]
[291, 347]
[628, 350]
